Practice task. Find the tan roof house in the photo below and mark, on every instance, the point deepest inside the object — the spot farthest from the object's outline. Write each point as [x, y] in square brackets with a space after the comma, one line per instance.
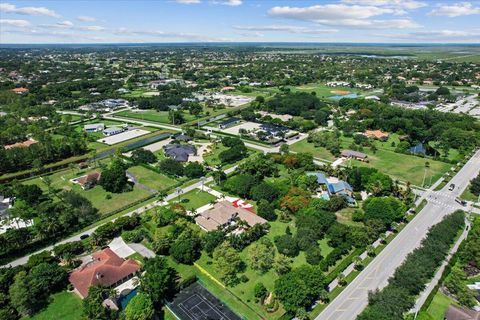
[224, 214]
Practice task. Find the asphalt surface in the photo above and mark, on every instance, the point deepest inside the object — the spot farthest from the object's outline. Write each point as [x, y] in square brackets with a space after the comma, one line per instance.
[354, 298]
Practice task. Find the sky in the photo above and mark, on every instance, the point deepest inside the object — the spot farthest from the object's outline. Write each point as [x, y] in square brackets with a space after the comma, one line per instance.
[157, 21]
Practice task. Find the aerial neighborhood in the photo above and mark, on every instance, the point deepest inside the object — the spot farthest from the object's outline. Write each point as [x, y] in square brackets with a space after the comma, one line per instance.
[214, 179]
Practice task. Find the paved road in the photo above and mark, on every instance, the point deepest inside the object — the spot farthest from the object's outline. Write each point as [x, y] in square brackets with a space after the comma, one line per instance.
[354, 298]
[176, 193]
[438, 275]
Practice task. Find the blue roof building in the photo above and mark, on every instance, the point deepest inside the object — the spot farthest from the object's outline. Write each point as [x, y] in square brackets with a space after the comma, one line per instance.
[321, 179]
[341, 187]
[418, 149]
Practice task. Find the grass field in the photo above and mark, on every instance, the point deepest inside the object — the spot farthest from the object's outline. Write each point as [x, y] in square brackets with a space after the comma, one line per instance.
[323, 91]
[153, 115]
[63, 306]
[400, 166]
[437, 309]
[317, 152]
[467, 195]
[194, 199]
[97, 195]
[152, 179]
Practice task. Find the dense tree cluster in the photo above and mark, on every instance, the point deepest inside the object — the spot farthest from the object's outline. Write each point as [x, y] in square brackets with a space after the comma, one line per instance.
[447, 130]
[53, 219]
[410, 278]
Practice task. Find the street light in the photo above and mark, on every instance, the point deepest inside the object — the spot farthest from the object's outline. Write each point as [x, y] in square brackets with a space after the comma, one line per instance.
[203, 179]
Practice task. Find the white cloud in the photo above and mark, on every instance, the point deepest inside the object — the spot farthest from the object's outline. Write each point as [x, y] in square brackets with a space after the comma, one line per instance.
[188, 1]
[59, 25]
[344, 15]
[232, 3]
[15, 23]
[436, 36]
[48, 36]
[86, 18]
[400, 4]
[91, 28]
[455, 10]
[31, 11]
[284, 28]
[168, 35]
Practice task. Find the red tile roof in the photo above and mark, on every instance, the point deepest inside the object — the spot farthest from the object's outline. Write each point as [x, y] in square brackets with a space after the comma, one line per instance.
[20, 90]
[23, 144]
[376, 134]
[106, 268]
[91, 177]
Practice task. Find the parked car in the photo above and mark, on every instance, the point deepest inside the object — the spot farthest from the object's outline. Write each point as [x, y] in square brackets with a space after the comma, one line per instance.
[84, 236]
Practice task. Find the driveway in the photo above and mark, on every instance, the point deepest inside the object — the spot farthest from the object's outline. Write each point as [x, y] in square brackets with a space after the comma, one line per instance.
[142, 250]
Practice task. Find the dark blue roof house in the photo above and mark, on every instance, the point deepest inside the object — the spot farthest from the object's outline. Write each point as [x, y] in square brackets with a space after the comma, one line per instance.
[272, 129]
[182, 137]
[418, 149]
[179, 152]
[229, 122]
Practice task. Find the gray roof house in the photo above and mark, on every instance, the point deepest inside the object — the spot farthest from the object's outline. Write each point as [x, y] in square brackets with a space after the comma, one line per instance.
[112, 130]
[354, 154]
[179, 152]
[95, 127]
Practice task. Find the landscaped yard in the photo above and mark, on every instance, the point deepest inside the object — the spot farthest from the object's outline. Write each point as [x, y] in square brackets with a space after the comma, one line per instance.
[153, 115]
[98, 196]
[245, 291]
[194, 199]
[64, 306]
[151, 178]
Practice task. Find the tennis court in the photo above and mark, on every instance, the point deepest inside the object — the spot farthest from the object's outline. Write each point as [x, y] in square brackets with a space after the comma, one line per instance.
[196, 303]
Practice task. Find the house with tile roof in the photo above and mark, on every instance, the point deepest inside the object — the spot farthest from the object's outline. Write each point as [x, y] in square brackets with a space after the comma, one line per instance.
[105, 268]
[224, 214]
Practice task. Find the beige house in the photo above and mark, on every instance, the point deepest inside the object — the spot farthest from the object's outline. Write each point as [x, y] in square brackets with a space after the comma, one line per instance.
[224, 214]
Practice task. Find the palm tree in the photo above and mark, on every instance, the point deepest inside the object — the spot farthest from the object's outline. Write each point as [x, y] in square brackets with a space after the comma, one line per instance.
[358, 262]
[341, 279]
[371, 251]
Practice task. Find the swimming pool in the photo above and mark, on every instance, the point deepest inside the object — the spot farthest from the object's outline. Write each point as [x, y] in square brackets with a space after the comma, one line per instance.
[124, 300]
[348, 96]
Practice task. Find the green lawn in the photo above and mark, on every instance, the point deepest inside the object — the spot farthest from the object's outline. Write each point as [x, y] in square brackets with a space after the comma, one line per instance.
[405, 167]
[345, 216]
[322, 90]
[60, 181]
[153, 115]
[151, 178]
[194, 199]
[436, 310]
[63, 306]
[400, 166]
[469, 196]
[317, 152]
